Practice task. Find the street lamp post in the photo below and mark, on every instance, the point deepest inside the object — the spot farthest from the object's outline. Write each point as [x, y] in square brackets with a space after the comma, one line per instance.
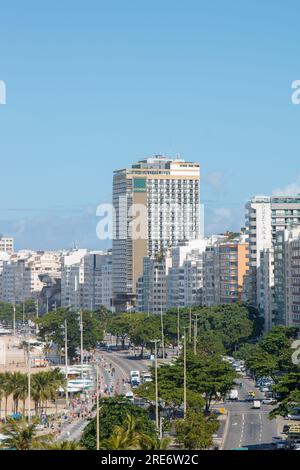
[37, 316]
[29, 377]
[162, 332]
[97, 406]
[156, 341]
[184, 372]
[81, 343]
[178, 331]
[66, 362]
[14, 319]
[195, 333]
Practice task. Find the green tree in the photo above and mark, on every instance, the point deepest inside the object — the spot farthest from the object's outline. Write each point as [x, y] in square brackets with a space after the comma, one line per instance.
[195, 432]
[114, 412]
[287, 389]
[127, 436]
[22, 436]
[51, 328]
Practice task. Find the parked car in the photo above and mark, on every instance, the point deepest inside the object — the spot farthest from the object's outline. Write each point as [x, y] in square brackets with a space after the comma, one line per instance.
[285, 428]
[268, 401]
[279, 443]
[294, 414]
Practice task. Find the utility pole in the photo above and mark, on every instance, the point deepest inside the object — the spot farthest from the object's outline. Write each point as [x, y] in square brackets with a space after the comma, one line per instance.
[23, 313]
[156, 384]
[14, 319]
[195, 332]
[81, 343]
[97, 406]
[184, 371]
[66, 362]
[190, 324]
[29, 377]
[178, 332]
[162, 332]
[37, 316]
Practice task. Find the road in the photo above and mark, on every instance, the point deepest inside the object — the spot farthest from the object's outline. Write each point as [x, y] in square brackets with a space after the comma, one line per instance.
[123, 363]
[248, 427]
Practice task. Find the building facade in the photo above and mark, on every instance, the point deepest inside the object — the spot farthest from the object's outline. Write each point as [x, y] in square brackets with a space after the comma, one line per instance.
[20, 279]
[6, 244]
[156, 204]
[86, 281]
[267, 219]
[225, 266]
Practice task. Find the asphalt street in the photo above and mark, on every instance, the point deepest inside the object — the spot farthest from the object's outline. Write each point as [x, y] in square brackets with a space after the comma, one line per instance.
[248, 427]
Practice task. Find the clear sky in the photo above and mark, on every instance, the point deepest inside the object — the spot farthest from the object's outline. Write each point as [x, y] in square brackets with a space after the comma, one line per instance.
[93, 86]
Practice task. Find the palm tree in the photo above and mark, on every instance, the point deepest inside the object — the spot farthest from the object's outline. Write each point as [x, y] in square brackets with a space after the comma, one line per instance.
[19, 386]
[125, 437]
[22, 436]
[64, 445]
[154, 443]
[39, 389]
[47, 349]
[1, 390]
[7, 388]
[45, 385]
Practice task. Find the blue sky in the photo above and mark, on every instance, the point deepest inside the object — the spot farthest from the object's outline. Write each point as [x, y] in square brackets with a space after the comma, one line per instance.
[92, 86]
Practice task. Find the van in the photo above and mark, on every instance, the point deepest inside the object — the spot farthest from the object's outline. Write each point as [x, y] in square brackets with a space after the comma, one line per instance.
[233, 394]
[256, 404]
[135, 378]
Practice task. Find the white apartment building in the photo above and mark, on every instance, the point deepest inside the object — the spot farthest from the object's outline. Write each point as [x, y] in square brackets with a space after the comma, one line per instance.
[72, 278]
[259, 227]
[174, 280]
[266, 286]
[4, 256]
[156, 204]
[20, 274]
[86, 280]
[97, 285]
[292, 276]
[6, 244]
[266, 217]
[152, 286]
[185, 278]
[286, 297]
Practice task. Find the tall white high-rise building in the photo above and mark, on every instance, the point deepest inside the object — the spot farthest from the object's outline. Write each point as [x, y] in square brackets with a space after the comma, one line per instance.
[291, 257]
[157, 205]
[266, 218]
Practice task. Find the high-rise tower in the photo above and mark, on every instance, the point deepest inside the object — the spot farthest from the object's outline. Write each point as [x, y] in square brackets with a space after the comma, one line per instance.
[157, 205]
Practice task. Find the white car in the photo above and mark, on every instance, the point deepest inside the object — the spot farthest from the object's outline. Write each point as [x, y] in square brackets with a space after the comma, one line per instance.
[268, 401]
[130, 396]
